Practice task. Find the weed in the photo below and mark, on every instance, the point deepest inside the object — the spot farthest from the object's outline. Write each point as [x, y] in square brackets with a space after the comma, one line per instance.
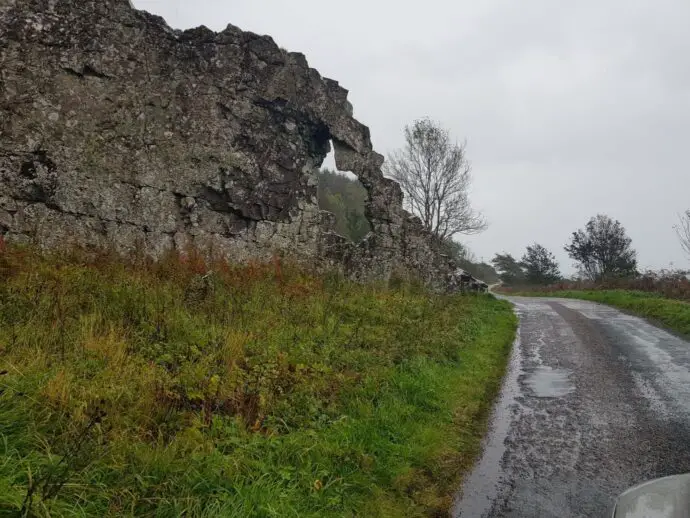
[195, 387]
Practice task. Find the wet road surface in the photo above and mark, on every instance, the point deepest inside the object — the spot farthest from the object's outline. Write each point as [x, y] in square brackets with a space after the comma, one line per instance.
[594, 401]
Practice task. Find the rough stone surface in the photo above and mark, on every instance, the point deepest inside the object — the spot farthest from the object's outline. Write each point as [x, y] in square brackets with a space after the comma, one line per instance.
[116, 130]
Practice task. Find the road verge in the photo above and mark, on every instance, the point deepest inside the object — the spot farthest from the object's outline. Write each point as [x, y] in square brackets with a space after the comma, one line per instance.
[188, 388]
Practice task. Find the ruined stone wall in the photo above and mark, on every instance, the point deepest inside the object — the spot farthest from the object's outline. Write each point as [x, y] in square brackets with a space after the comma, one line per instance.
[116, 130]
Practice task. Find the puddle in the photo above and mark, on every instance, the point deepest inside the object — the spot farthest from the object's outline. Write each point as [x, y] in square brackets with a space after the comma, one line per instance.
[548, 382]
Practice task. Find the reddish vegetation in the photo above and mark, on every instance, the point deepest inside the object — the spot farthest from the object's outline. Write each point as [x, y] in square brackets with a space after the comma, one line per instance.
[670, 284]
[199, 384]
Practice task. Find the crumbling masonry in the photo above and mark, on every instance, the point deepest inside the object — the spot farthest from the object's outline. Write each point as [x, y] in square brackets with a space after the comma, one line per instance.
[117, 131]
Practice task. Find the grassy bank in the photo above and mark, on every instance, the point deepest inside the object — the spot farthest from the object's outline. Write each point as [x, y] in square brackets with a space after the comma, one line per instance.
[166, 390]
[674, 314]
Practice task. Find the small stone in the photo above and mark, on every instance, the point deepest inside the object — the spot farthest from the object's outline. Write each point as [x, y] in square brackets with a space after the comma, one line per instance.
[189, 203]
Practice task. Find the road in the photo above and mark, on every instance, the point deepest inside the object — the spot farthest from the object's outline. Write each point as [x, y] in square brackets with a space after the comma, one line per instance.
[594, 401]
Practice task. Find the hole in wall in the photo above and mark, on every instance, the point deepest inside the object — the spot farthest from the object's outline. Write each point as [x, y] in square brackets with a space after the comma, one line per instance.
[341, 193]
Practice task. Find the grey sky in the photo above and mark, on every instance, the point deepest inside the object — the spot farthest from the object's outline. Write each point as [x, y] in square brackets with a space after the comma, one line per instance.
[569, 108]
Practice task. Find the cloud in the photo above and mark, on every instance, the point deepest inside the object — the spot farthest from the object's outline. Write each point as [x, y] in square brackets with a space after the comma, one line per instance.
[569, 108]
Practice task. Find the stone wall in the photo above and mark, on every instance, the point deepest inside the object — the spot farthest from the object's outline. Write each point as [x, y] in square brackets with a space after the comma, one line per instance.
[116, 130]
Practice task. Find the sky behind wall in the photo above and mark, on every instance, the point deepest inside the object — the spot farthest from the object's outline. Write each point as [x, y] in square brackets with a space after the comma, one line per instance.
[569, 109]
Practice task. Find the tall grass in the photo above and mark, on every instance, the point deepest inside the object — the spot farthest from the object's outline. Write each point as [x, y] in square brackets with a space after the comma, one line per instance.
[673, 314]
[187, 388]
[666, 283]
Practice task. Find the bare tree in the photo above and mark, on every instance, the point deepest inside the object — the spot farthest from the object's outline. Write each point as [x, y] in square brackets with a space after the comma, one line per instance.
[434, 175]
[683, 231]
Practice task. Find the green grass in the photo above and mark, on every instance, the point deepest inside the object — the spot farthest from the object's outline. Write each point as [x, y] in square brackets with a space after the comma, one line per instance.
[165, 390]
[674, 314]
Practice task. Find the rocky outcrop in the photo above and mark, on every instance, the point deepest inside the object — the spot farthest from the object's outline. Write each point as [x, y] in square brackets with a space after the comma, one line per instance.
[116, 130]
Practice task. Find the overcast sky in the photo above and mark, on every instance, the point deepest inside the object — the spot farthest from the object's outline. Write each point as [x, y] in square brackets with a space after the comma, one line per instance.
[569, 108]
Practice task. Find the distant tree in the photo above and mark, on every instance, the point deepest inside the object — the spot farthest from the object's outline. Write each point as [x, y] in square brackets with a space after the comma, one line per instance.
[540, 266]
[467, 261]
[453, 249]
[456, 250]
[482, 271]
[603, 249]
[434, 175]
[683, 231]
[346, 199]
[509, 270]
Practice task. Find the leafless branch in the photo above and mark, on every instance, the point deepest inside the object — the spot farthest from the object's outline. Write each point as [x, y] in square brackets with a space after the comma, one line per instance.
[435, 176]
[683, 231]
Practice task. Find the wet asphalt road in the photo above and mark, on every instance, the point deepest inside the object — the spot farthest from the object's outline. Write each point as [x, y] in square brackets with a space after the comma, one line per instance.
[594, 401]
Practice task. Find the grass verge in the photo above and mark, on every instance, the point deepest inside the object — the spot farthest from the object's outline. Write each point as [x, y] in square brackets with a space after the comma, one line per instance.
[673, 314]
[190, 389]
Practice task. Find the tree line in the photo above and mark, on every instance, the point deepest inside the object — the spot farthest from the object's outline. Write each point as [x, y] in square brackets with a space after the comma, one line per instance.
[601, 250]
[345, 198]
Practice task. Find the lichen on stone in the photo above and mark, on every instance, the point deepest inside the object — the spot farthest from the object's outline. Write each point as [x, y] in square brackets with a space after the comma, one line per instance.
[118, 130]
